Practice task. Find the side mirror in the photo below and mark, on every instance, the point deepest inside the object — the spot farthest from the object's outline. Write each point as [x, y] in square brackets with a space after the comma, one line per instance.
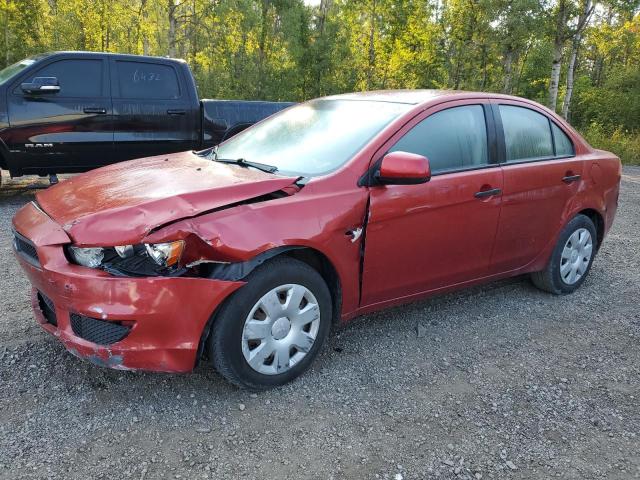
[403, 168]
[41, 85]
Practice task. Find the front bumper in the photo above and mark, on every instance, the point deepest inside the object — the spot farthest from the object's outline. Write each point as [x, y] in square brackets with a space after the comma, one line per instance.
[166, 316]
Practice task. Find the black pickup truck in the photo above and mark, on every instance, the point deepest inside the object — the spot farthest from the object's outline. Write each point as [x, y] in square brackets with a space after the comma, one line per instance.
[73, 111]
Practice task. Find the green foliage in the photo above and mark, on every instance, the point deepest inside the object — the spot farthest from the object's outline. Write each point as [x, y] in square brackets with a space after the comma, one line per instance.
[623, 143]
[290, 50]
[616, 102]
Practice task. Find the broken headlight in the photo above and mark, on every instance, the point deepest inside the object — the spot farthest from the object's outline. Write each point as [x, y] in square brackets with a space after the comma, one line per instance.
[87, 257]
[138, 260]
[165, 254]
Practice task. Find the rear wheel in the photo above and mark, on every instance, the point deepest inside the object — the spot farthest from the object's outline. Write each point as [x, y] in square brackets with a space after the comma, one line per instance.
[571, 259]
[269, 331]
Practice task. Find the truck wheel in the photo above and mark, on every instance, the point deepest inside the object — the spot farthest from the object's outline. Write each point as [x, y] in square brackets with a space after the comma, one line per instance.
[269, 331]
[571, 259]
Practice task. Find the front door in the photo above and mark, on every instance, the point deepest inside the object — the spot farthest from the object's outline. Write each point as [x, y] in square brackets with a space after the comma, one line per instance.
[425, 237]
[68, 130]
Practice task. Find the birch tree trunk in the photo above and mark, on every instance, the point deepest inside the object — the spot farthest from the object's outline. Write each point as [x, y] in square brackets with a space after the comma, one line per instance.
[570, 78]
[262, 46]
[6, 33]
[372, 47]
[575, 46]
[322, 19]
[171, 10]
[145, 22]
[558, 44]
[508, 71]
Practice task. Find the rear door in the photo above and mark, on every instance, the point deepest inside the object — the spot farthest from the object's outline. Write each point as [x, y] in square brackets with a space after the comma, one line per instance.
[425, 237]
[67, 130]
[153, 108]
[541, 174]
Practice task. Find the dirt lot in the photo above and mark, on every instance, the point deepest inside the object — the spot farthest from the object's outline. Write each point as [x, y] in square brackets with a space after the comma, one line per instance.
[500, 381]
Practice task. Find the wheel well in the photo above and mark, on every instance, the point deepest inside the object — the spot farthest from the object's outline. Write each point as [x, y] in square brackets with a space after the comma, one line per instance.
[316, 260]
[320, 263]
[3, 161]
[598, 221]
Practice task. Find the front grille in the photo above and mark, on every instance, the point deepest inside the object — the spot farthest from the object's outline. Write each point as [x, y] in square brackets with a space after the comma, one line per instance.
[26, 249]
[98, 331]
[48, 309]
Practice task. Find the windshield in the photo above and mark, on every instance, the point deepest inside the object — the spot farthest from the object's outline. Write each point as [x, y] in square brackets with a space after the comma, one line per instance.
[8, 72]
[312, 138]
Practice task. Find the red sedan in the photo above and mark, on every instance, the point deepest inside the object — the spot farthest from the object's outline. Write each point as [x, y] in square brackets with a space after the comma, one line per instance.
[248, 254]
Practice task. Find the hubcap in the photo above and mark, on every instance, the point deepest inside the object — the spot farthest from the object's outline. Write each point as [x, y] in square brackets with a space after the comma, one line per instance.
[576, 256]
[280, 329]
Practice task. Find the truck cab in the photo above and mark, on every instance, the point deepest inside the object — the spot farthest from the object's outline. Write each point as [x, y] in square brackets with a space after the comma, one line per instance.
[67, 112]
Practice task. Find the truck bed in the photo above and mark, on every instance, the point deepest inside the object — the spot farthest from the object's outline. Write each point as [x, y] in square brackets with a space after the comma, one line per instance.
[224, 118]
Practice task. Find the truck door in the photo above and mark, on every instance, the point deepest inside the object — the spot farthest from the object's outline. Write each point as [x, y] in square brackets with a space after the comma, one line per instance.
[66, 129]
[155, 112]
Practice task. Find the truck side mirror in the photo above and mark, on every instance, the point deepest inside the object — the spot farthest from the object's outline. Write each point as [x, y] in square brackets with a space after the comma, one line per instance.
[40, 85]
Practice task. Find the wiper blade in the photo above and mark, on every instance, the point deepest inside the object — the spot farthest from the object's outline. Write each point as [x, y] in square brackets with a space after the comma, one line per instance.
[246, 163]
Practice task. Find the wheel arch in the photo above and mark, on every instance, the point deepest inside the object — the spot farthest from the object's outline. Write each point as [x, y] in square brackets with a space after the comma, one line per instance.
[309, 255]
[598, 220]
[321, 263]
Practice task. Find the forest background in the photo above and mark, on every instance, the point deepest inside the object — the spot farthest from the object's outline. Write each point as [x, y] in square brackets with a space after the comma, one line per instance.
[579, 57]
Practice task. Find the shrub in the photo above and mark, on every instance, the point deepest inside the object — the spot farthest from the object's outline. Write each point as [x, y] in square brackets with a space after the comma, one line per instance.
[623, 143]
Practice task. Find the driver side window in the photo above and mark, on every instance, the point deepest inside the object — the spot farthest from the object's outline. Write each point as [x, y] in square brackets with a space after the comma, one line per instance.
[452, 139]
[77, 78]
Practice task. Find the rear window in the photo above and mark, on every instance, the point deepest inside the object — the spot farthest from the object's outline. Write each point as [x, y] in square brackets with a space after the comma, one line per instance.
[147, 80]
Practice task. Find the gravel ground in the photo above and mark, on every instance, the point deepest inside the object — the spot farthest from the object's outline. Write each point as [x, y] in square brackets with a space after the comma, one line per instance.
[499, 381]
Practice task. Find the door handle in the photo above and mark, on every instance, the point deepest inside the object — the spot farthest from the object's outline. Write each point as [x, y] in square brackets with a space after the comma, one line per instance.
[570, 178]
[98, 110]
[488, 193]
[176, 111]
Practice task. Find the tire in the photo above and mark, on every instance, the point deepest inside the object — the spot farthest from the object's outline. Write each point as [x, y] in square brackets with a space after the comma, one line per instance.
[557, 277]
[243, 317]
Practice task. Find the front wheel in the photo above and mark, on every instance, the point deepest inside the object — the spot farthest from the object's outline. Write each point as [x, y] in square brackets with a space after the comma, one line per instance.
[571, 259]
[269, 331]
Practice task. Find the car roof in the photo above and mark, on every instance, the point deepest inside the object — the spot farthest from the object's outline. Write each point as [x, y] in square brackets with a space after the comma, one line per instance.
[77, 53]
[415, 97]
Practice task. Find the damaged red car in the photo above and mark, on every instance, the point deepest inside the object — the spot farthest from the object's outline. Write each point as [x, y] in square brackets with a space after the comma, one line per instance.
[247, 254]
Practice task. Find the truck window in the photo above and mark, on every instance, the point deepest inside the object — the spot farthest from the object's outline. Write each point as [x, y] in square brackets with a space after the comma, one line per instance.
[77, 78]
[147, 80]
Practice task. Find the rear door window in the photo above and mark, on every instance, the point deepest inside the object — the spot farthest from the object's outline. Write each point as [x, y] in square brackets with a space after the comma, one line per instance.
[452, 139]
[147, 81]
[527, 134]
[77, 78]
[564, 146]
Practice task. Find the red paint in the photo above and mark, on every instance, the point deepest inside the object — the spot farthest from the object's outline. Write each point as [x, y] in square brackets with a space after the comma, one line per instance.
[419, 239]
[405, 166]
[144, 194]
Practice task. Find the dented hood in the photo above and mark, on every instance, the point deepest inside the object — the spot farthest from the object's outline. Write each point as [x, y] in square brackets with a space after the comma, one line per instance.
[120, 204]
